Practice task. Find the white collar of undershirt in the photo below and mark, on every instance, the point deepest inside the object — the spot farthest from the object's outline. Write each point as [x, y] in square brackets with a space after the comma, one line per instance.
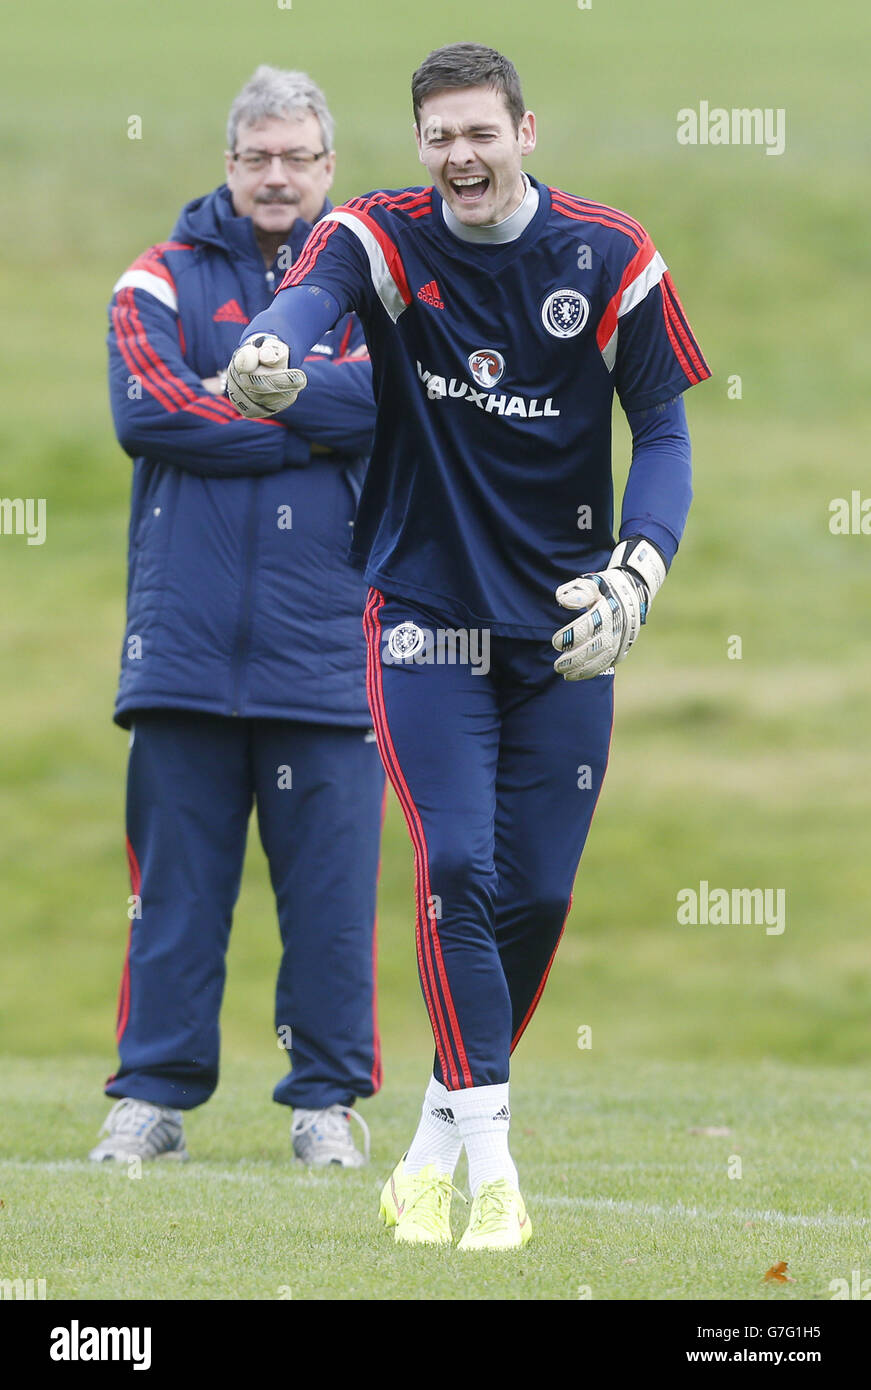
[509, 229]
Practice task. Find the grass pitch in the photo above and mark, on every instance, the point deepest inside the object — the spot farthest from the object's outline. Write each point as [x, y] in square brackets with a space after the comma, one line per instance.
[742, 772]
[626, 1171]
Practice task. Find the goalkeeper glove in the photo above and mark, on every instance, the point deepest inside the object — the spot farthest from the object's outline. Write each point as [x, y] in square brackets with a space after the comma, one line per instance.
[615, 604]
[259, 381]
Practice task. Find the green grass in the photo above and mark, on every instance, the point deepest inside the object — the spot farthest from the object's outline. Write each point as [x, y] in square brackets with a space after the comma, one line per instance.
[627, 1201]
[750, 772]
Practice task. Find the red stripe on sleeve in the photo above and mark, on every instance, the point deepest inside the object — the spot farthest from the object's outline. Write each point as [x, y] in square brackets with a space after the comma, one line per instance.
[152, 259]
[681, 324]
[413, 203]
[209, 407]
[168, 389]
[608, 321]
[136, 364]
[603, 219]
[309, 254]
[675, 345]
[586, 210]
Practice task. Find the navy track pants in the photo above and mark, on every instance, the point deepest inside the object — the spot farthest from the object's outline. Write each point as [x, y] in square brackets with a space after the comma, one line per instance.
[192, 780]
[498, 773]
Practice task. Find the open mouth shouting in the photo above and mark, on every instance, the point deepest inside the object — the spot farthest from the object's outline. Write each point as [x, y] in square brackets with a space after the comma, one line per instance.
[471, 188]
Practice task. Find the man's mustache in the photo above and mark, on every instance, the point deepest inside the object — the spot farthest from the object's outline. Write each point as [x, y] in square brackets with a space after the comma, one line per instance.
[288, 200]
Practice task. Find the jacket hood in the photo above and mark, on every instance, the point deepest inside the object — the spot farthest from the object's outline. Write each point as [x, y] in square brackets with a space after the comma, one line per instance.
[212, 220]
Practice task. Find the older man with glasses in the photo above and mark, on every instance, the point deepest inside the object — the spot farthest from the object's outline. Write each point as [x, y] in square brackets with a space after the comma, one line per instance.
[243, 661]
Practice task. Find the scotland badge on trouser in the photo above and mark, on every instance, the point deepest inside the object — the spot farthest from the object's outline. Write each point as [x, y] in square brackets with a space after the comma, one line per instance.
[405, 641]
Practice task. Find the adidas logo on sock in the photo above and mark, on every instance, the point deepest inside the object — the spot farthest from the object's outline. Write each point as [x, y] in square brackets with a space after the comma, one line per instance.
[429, 294]
[503, 1114]
[445, 1114]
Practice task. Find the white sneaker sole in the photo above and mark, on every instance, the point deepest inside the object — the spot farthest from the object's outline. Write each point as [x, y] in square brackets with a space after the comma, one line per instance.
[180, 1156]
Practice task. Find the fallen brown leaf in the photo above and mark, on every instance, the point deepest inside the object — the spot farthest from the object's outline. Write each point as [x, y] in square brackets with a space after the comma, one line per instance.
[778, 1275]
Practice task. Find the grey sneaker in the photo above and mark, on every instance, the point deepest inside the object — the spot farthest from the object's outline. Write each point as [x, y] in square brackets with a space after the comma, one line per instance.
[323, 1137]
[138, 1129]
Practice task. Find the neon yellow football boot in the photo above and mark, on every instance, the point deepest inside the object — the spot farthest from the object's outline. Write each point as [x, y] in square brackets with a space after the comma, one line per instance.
[418, 1205]
[499, 1219]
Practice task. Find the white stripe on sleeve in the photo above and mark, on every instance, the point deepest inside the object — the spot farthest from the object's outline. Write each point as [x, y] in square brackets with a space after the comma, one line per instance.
[152, 284]
[634, 293]
[643, 283]
[385, 285]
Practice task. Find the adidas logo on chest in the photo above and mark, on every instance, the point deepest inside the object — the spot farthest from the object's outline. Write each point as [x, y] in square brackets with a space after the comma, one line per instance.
[429, 294]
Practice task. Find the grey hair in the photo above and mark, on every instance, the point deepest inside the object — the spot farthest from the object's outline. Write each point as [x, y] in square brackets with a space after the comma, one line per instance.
[277, 92]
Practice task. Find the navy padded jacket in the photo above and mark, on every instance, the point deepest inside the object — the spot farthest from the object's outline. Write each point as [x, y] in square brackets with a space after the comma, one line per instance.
[241, 600]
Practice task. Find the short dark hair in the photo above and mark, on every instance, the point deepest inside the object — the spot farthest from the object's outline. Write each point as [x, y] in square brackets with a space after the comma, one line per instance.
[468, 65]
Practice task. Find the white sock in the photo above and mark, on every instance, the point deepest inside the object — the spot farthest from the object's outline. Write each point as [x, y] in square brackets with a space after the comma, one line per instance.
[437, 1139]
[483, 1117]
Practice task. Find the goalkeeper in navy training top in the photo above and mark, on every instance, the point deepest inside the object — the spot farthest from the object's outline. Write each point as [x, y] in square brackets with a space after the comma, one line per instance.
[501, 316]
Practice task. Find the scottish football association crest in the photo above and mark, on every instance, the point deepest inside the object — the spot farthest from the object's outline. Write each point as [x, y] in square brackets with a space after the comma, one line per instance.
[486, 366]
[565, 312]
[405, 641]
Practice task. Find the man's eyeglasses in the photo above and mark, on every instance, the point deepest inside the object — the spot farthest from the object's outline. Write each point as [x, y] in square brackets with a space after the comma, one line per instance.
[292, 161]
